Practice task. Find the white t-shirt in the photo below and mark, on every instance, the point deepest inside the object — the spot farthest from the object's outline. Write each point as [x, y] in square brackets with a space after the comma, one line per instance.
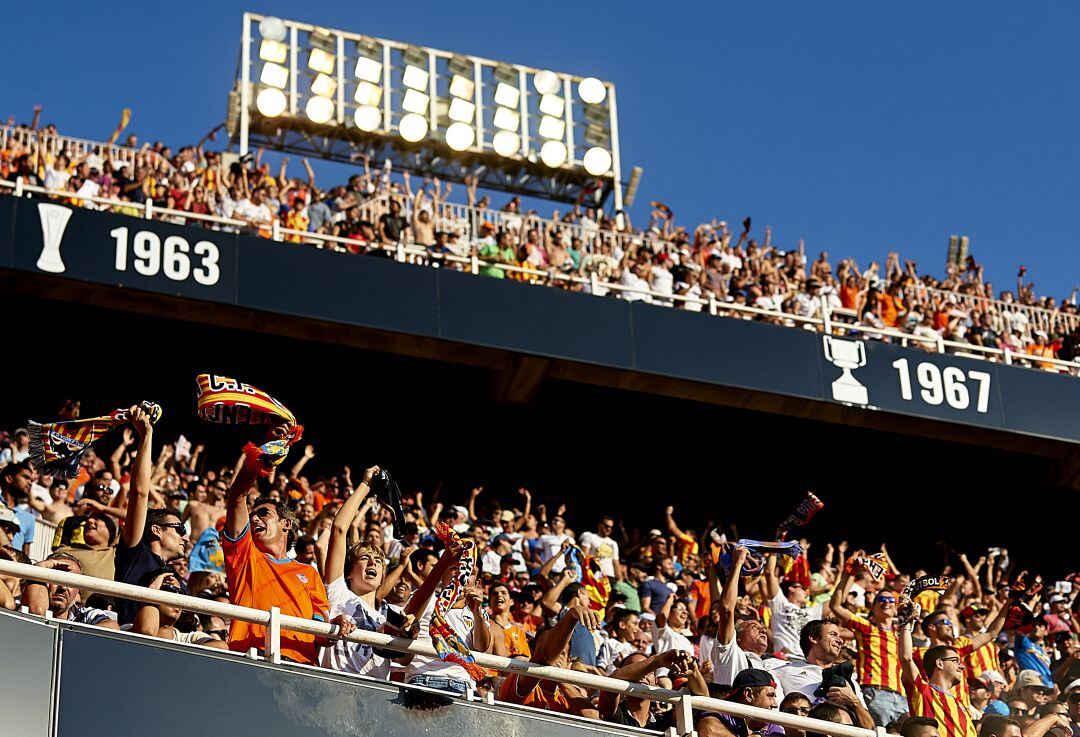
[550, 545]
[247, 210]
[461, 622]
[56, 179]
[798, 675]
[604, 549]
[668, 639]
[610, 652]
[351, 656]
[730, 660]
[706, 645]
[788, 621]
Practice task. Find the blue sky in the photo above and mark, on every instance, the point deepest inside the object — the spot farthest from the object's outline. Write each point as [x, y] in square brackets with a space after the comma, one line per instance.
[861, 127]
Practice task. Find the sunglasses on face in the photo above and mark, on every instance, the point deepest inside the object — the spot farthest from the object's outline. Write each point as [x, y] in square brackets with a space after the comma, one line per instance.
[178, 526]
[942, 622]
[886, 600]
[263, 513]
[1074, 698]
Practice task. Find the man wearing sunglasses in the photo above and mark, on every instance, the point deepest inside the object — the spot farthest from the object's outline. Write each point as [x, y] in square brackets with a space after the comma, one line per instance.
[879, 658]
[933, 695]
[940, 630]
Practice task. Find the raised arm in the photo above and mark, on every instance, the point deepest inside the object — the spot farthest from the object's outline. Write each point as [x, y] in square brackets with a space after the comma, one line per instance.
[772, 578]
[550, 601]
[141, 473]
[836, 603]
[725, 629]
[309, 453]
[339, 531]
[633, 672]
[528, 508]
[973, 574]
[909, 672]
[992, 630]
[418, 603]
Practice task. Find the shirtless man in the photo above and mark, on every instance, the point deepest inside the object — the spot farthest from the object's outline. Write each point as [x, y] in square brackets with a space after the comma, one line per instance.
[200, 515]
[58, 509]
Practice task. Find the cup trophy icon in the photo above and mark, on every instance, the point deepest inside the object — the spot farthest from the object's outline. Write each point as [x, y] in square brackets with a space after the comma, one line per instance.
[54, 220]
[846, 355]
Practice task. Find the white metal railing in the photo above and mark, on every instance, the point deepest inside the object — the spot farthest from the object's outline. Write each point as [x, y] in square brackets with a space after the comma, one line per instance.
[79, 148]
[44, 532]
[1037, 318]
[592, 284]
[274, 621]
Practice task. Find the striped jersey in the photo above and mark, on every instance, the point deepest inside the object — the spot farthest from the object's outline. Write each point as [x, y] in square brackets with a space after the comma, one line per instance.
[963, 647]
[982, 660]
[927, 700]
[879, 655]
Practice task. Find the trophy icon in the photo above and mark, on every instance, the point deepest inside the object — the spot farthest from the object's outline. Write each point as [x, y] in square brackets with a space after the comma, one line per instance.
[846, 355]
[54, 219]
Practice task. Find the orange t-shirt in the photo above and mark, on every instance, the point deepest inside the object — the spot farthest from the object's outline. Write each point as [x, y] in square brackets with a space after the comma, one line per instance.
[544, 695]
[890, 309]
[517, 641]
[849, 297]
[258, 581]
[1046, 352]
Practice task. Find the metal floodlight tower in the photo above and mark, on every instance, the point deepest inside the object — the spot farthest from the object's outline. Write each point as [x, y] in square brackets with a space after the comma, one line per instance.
[342, 96]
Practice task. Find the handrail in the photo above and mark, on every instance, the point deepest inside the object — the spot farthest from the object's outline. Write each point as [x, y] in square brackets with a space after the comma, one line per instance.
[274, 622]
[408, 251]
[57, 142]
[1040, 317]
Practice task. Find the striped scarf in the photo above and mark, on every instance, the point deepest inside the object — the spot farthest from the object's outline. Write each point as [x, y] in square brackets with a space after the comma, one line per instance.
[447, 644]
[57, 447]
[586, 571]
[227, 401]
[755, 561]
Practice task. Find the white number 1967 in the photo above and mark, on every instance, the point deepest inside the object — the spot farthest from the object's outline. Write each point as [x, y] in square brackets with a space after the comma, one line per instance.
[943, 385]
[170, 257]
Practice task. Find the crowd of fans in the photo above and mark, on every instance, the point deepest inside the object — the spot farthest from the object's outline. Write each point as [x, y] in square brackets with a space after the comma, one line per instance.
[664, 262]
[818, 631]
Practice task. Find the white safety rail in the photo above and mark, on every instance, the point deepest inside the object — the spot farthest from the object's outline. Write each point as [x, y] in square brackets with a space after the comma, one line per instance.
[274, 621]
[1002, 313]
[405, 252]
[79, 148]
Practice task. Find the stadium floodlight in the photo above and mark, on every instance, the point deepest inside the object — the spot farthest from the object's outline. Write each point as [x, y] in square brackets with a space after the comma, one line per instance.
[271, 102]
[591, 91]
[319, 109]
[552, 127]
[507, 119]
[597, 161]
[415, 102]
[415, 77]
[459, 136]
[413, 127]
[552, 105]
[368, 118]
[274, 51]
[274, 75]
[367, 94]
[321, 61]
[546, 82]
[323, 85]
[368, 70]
[461, 110]
[461, 86]
[507, 95]
[553, 153]
[273, 28]
[506, 143]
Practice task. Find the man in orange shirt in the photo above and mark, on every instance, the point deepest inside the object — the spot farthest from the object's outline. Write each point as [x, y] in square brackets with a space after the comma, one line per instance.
[260, 575]
[932, 695]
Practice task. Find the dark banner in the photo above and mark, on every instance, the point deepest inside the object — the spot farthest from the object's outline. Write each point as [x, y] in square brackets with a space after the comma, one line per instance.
[285, 278]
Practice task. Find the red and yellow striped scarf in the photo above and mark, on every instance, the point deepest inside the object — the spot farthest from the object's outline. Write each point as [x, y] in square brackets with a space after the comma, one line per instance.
[446, 642]
[57, 447]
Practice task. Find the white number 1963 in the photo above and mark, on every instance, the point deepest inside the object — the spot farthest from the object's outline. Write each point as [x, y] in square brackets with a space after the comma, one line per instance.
[170, 257]
[943, 385]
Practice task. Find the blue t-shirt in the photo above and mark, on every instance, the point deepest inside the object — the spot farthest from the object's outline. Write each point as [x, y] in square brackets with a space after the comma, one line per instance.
[27, 523]
[1032, 656]
[582, 644]
[657, 590]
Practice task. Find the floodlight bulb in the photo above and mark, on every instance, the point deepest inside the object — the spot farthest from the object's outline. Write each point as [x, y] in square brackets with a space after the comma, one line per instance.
[591, 91]
[274, 51]
[597, 161]
[552, 127]
[319, 109]
[461, 86]
[274, 75]
[415, 102]
[368, 118]
[461, 110]
[506, 143]
[413, 127]
[459, 136]
[552, 105]
[507, 95]
[321, 61]
[367, 93]
[368, 69]
[324, 86]
[271, 102]
[553, 153]
[546, 82]
[272, 28]
[507, 119]
[415, 77]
